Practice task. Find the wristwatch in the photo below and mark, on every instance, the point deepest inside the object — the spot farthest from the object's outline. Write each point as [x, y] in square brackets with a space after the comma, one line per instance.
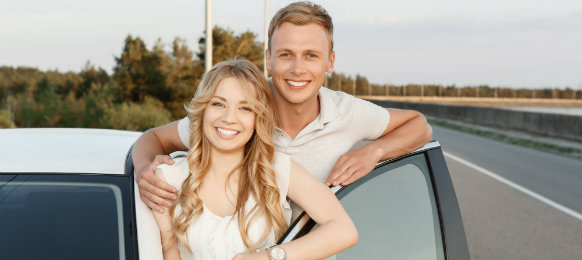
[276, 252]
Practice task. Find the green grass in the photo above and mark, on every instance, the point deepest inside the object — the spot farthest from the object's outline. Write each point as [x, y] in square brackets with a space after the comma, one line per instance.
[568, 151]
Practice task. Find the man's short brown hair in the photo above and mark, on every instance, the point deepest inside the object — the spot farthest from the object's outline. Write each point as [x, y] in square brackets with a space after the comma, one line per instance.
[303, 13]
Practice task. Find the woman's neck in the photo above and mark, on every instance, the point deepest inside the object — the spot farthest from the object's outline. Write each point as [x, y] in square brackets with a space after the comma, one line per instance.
[222, 164]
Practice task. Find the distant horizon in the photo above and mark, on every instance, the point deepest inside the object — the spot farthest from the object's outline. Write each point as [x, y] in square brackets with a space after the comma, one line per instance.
[110, 72]
[507, 44]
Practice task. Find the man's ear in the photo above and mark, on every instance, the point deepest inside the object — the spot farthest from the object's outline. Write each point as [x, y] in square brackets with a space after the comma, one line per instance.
[268, 59]
[329, 68]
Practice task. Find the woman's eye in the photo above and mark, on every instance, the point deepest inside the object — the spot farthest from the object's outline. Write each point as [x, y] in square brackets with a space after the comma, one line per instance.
[217, 104]
[246, 109]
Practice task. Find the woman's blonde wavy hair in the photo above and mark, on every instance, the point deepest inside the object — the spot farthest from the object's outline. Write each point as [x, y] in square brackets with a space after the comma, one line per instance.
[257, 178]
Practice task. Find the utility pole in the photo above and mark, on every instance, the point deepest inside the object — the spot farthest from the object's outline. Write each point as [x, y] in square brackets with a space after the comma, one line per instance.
[208, 53]
[266, 41]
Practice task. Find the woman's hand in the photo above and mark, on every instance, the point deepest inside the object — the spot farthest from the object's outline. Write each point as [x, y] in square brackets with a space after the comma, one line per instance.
[164, 220]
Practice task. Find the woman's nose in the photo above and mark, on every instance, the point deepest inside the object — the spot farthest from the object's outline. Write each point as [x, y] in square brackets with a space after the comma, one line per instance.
[229, 115]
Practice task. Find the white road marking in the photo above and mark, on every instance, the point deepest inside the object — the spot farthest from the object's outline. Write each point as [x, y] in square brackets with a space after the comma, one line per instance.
[516, 186]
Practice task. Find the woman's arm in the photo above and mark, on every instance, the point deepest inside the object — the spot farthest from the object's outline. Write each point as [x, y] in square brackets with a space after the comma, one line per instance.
[336, 230]
[170, 248]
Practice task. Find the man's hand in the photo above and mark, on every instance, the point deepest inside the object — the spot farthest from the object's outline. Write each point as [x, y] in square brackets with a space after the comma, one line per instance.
[153, 191]
[354, 165]
[406, 132]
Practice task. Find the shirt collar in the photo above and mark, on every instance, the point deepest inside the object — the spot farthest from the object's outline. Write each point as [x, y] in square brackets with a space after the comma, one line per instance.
[328, 110]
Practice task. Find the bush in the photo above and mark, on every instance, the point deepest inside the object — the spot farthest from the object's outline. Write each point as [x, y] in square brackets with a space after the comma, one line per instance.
[5, 121]
[136, 116]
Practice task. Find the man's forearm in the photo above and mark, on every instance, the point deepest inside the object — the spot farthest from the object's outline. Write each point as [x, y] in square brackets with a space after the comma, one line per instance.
[406, 138]
[146, 148]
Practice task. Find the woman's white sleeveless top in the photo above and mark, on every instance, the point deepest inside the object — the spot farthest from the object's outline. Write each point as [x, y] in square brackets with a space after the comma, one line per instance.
[214, 237]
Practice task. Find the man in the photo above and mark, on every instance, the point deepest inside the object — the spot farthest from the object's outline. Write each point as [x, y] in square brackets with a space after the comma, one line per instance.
[315, 126]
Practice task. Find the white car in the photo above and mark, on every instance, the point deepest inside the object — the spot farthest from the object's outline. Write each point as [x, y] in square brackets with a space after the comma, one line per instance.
[70, 194]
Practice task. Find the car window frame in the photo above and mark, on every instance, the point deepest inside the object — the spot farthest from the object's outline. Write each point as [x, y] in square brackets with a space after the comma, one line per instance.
[450, 220]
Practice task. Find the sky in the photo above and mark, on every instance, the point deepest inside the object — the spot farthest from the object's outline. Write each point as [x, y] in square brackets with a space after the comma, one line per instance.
[502, 43]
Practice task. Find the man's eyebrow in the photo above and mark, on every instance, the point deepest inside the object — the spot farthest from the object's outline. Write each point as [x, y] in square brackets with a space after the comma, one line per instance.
[313, 51]
[283, 50]
[305, 51]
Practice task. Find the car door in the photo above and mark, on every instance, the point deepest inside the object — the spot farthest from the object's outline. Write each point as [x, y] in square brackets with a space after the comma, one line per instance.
[405, 208]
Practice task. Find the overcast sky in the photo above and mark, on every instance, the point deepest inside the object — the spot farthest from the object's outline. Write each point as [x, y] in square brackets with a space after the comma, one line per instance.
[514, 43]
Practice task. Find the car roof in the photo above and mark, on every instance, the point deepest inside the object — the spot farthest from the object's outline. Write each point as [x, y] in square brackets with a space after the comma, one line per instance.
[64, 150]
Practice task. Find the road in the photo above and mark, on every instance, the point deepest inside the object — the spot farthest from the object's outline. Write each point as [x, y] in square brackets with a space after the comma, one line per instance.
[525, 217]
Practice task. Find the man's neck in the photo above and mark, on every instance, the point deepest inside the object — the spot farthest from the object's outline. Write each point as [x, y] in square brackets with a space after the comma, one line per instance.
[292, 118]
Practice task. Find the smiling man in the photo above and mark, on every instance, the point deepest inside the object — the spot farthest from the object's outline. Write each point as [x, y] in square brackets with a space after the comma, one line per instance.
[315, 126]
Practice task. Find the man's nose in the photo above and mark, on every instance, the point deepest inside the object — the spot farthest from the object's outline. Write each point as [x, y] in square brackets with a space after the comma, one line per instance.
[298, 66]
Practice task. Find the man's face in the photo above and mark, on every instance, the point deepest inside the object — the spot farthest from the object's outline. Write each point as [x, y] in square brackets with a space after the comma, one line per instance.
[298, 60]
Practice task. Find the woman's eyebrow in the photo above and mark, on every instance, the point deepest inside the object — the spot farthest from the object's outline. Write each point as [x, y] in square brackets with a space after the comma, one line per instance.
[224, 99]
[219, 97]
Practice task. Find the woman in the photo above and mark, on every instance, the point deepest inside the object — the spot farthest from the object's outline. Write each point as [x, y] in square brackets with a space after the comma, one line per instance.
[233, 186]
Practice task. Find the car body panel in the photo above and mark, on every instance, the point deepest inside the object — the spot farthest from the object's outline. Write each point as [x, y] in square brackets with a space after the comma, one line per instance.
[72, 155]
[65, 150]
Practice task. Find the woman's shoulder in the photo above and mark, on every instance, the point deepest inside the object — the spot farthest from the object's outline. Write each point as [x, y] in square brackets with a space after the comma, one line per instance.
[176, 173]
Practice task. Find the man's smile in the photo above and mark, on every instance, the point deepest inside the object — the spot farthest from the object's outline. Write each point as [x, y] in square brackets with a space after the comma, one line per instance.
[297, 83]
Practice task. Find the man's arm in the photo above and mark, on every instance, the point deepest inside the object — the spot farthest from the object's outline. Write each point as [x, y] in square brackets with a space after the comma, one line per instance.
[407, 131]
[150, 150]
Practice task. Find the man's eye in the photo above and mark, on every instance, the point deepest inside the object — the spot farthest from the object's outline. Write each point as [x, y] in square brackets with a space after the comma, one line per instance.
[310, 55]
[284, 55]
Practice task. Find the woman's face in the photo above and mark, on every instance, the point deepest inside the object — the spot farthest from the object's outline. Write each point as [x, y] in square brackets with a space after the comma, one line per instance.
[229, 121]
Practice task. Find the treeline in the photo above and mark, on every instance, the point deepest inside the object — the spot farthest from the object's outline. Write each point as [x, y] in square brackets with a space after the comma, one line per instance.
[360, 86]
[149, 86]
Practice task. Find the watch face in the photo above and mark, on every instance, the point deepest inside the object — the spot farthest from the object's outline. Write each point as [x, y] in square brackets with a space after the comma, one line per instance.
[277, 253]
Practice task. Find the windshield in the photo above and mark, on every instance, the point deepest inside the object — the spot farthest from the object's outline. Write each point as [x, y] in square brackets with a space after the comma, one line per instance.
[62, 216]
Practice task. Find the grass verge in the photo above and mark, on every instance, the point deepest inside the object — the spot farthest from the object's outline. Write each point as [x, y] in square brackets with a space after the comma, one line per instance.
[567, 151]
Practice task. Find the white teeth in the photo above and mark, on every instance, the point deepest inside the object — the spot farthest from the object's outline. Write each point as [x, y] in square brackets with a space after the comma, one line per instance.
[297, 84]
[226, 132]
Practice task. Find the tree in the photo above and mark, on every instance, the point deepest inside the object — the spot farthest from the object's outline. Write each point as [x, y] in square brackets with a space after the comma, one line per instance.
[138, 72]
[90, 76]
[183, 75]
[227, 45]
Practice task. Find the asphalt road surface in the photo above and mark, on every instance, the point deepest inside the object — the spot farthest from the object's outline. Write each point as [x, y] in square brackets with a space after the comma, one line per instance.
[516, 203]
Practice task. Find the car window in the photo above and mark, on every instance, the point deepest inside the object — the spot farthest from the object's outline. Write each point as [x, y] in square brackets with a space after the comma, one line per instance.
[395, 212]
[60, 218]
